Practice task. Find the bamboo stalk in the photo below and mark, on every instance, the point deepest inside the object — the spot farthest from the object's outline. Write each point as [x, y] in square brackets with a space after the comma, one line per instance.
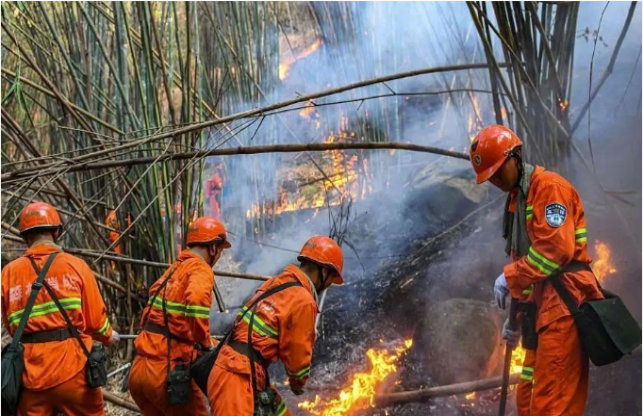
[250, 150]
[390, 399]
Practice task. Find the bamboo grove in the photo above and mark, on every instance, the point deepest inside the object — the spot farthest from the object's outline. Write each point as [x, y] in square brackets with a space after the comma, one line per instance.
[116, 82]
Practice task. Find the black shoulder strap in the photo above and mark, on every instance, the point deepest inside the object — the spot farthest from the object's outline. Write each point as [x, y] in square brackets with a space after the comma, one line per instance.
[161, 287]
[253, 306]
[564, 294]
[35, 289]
[70, 325]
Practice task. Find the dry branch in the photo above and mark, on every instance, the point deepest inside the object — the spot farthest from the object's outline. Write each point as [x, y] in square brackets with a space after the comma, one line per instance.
[118, 401]
[390, 399]
[249, 150]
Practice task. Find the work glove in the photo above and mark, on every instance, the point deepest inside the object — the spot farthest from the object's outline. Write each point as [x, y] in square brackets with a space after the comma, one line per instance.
[116, 337]
[512, 336]
[500, 291]
[297, 392]
[296, 387]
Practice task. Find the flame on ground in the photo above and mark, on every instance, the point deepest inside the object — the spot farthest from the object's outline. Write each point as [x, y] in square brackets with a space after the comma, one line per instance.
[284, 68]
[603, 265]
[361, 391]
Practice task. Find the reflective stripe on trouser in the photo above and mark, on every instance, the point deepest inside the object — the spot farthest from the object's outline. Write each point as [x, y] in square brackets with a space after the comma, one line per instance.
[525, 386]
[561, 373]
[72, 398]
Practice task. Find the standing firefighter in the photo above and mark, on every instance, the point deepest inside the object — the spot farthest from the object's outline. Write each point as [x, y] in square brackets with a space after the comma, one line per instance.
[277, 323]
[176, 325]
[55, 379]
[544, 226]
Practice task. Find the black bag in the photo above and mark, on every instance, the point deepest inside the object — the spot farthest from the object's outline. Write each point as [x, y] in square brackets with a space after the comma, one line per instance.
[179, 385]
[202, 366]
[13, 363]
[96, 366]
[606, 328]
[529, 313]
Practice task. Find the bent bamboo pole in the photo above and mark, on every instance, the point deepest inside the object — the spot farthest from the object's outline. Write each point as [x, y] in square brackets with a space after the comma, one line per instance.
[246, 150]
[118, 401]
[390, 399]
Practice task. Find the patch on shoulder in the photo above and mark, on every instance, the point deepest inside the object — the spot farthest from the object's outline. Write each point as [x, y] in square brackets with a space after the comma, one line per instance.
[555, 214]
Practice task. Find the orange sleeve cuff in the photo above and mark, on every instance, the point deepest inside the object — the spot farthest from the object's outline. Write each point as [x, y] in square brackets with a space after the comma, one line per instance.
[513, 280]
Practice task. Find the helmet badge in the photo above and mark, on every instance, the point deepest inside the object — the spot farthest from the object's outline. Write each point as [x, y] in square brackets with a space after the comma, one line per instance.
[477, 159]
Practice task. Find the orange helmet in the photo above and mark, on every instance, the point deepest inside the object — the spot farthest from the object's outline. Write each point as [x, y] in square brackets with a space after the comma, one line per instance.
[325, 252]
[491, 147]
[39, 215]
[205, 230]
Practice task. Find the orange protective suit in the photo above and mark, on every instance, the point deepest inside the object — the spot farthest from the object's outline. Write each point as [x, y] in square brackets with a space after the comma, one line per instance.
[525, 385]
[56, 369]
[556, 227]
[284, 328]
[188, 297]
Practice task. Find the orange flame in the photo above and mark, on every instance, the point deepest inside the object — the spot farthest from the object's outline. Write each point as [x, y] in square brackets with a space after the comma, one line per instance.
[284, 68]
[563, 104]
[517, 359]
[603, 265]
[361, 391]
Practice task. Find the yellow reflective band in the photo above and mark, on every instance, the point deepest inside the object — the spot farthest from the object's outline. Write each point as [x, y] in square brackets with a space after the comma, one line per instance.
[300, 374]
[528, 290]
[581, 235]
[45, 309]
[529, 211]
[196, 311]
[526, 377]
[281, 409]
[258, 325]
[547, 267]
[103, 329]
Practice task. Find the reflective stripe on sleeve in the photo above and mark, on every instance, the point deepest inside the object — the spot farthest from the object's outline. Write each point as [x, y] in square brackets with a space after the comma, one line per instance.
[537, 260]
[581, 235]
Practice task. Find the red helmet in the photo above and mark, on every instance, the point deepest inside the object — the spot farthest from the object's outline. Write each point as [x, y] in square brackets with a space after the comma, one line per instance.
[205, 230]
[39, 215]
[491, 147]
[325, 252]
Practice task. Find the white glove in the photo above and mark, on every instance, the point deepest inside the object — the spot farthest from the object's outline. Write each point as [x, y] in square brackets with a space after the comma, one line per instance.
[116, 337]
[500, 291]
[511, 336]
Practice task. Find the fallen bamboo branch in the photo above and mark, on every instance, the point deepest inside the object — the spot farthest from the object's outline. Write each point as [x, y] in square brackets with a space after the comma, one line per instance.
[390, 399]
[249, 150]
[118, 401]
[160, 265]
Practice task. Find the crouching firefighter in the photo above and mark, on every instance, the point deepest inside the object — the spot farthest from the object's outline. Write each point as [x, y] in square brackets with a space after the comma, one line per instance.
[277, 323]
[55, 328]
[544, 228]
[176, 327]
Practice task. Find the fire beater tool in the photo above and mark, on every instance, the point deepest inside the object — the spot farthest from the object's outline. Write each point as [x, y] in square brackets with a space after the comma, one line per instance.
[507, 368]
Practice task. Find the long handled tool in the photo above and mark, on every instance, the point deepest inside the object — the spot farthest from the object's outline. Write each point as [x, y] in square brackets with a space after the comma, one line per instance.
[507, 368]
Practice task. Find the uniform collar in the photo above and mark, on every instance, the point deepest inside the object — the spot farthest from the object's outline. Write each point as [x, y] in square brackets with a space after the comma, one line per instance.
[43, 247]
[189, 254]
[304, 280]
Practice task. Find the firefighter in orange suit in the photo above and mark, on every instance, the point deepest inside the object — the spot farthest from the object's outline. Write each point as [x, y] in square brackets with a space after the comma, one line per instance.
[213, 190]
[283, 329]
[546, 233]
[112, 222]
[187, 296]
[54, 374]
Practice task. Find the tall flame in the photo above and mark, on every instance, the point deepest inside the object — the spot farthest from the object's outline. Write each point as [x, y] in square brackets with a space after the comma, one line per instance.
[361, 392]
[603, 265]
[517, 359]
[284, 68]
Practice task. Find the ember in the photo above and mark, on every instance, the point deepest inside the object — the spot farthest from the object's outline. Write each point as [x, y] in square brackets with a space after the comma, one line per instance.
[361, 392]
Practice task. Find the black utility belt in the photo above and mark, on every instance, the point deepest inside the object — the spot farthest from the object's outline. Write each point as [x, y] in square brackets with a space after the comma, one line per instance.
[243, 349]
[53, 335]
[161, 330]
